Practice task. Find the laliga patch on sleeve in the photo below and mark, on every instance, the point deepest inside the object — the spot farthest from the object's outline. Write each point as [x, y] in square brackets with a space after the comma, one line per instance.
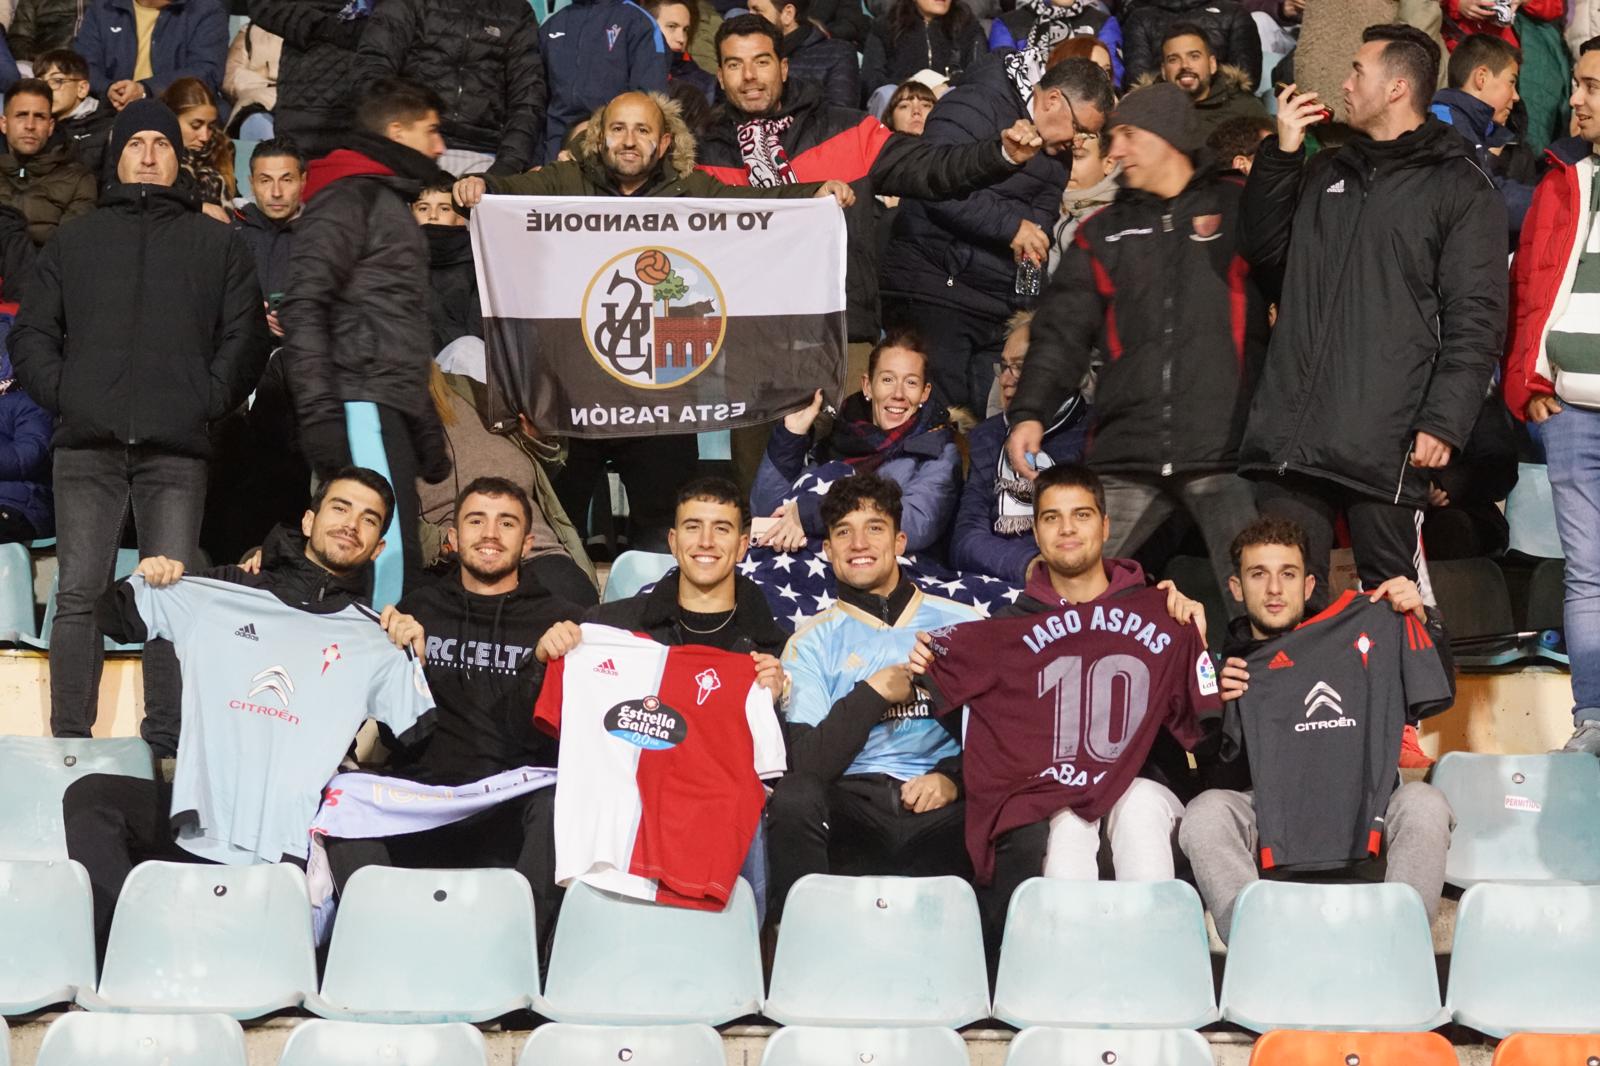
[1206, 675]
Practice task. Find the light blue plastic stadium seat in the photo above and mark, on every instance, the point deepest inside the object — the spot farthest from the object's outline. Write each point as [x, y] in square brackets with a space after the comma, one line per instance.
[232, 940]
[556, 1044]
[80, 1039]
[325, 1043]
[16, 594]
[1526, 958]
[879, 951]
[1138, 952]
[1522, 817]
[467, 953]
[46, 935]
[1531, 513]
[1126, 1047]
[127, 559]
[802, 1045]
[620, 961]
[632, 571]
[35, 771]
[1331, 957]
[716, 446]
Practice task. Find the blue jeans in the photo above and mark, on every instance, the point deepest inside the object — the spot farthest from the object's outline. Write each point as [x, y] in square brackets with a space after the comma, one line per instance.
[1571, 442]
[96, 489]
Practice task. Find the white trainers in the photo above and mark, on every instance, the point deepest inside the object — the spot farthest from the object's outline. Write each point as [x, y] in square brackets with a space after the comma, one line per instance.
[1586, 738]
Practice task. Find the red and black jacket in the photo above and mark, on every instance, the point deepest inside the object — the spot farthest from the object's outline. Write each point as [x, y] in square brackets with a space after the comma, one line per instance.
[828, 143]
[1160, 287]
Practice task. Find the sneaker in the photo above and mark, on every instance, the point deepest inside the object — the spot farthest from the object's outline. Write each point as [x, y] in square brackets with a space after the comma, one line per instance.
[1586, 738]
[1412, 757]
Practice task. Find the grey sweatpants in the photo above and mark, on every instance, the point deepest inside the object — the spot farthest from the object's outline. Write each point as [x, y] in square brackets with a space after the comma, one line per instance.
[1218, 834]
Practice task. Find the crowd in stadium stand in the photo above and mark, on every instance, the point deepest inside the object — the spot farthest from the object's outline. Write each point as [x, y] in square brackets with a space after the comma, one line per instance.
[1126, 280]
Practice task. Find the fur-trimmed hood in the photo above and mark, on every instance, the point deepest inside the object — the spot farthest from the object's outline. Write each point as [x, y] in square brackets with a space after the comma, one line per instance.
[1228, 78]
[679, 163]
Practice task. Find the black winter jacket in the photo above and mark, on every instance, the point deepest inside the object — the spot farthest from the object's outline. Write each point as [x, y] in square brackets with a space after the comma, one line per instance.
[355, 312]
[1393, 311]
[890, 59]
[655, 614]
[839, 143]
[41, 25]
[1228, 26]
[1183, 325]
[317, 72]
[269, 241]
[815, 57]
[485, 679]
[958, 251]
[453, 306]
[481, 56]
[143, 323]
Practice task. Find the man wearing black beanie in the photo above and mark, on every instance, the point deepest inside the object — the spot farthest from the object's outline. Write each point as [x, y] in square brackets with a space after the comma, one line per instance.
[357, 340]
[143, 324]
[1157, 275]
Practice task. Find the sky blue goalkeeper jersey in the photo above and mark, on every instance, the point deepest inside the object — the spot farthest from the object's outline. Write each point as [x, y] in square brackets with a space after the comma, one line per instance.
[843, 645]
[272, 696]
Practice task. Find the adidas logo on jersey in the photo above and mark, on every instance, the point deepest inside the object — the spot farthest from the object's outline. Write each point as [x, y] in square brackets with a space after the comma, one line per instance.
[608, 668]
[1280, 661]
[247, 631]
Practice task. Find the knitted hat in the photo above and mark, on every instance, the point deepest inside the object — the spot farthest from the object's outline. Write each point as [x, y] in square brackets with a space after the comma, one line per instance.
[1164, 110]
[141, 115]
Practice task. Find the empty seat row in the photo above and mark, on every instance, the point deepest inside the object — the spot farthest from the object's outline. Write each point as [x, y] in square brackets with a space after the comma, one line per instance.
[853, 951]
[16, 599]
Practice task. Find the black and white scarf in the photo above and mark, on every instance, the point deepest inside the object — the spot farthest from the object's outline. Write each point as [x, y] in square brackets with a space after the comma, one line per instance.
[765, 161]
[1014, 493]
[1052, 24]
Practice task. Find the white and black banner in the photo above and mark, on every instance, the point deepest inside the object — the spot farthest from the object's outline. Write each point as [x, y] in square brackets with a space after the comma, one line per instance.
[610, 317]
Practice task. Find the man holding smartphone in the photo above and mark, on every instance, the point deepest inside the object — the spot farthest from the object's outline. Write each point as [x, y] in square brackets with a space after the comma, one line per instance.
[1393, 309]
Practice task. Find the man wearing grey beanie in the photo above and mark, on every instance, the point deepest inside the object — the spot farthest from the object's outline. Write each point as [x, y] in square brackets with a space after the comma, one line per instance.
[143, 324]
[1156, 274]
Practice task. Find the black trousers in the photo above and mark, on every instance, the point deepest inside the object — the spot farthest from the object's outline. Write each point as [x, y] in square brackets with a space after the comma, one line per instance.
[857, 825]
[1386, 537]
[113, 823]
[1018, 855]
[651, 469]
[518, 834]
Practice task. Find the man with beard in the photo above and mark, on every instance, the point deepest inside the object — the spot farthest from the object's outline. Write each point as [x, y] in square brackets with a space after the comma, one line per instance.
[484, 620]
[1380, 359]
[1323, 765]
[1219, 92]
[245, 761]
[637, 145]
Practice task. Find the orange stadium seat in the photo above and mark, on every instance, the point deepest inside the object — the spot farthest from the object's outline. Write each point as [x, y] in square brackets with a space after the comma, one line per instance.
[1548, 1049]
[1286, 1047]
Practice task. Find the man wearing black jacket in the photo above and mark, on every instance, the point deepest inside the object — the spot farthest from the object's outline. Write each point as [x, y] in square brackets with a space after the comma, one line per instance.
[358, 344]
[143, 325]
[874, 780]
[951, 268]
[811, 54]
[482, 56]
[1393, 311]
[1156, 274]
[769, 131]
[483, 621]
[113, 821]
[317, 73]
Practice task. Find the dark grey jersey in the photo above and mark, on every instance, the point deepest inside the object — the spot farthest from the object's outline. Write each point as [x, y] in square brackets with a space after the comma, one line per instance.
[1321, 725]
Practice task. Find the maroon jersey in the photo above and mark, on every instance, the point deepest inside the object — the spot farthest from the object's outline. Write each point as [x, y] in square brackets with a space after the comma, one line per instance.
[1065, 704]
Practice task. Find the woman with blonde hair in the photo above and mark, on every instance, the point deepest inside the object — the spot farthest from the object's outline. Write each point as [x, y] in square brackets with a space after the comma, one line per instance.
[207, 153]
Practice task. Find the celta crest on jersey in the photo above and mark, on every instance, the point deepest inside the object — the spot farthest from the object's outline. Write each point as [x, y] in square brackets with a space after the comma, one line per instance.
[647, 723]
[708, 682]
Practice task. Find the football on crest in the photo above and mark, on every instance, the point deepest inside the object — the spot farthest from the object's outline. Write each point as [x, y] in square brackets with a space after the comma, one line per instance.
[652, 266]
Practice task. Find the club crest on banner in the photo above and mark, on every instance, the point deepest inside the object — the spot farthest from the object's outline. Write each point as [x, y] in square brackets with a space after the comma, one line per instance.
[654, 317]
